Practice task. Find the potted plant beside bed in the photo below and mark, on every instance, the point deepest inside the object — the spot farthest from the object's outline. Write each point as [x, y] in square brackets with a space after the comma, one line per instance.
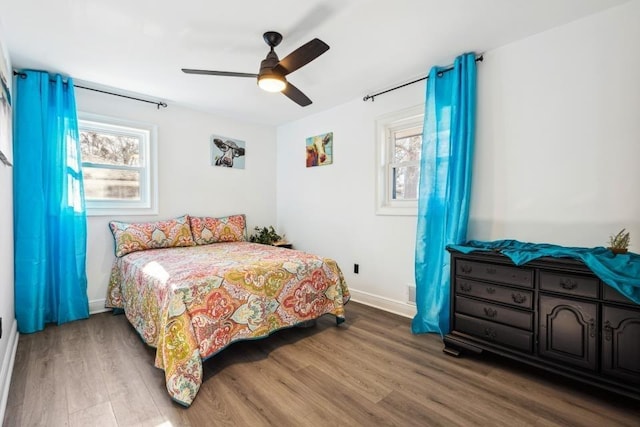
[619, 244]
[267, 236]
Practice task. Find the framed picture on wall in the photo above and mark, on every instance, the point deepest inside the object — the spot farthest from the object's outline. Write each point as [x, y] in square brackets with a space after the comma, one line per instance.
[227, 152]
[6, 143]
[319, 150]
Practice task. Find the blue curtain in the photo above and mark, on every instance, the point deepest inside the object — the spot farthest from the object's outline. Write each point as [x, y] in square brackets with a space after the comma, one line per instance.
[445, 187]
[49, 211]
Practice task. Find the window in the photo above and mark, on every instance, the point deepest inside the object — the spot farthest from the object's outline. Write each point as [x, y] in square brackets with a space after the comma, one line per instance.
[118, 165]
[398, 161]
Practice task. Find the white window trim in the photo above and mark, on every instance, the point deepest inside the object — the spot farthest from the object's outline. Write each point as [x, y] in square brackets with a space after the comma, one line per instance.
[385, 125]
[148, 205]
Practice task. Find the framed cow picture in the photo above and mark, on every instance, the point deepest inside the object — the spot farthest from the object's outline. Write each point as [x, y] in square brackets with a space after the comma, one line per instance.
[319, 150]
[227, 152]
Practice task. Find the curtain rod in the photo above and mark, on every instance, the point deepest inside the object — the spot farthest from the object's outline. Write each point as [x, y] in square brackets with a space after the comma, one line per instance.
[157, 103]
[372, 97]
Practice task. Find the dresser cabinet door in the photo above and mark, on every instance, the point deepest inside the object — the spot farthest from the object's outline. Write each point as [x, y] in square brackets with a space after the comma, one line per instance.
[568, 331]
[621, 343]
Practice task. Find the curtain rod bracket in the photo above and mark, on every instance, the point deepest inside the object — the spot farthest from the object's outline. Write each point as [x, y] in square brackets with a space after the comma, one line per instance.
[479, 58]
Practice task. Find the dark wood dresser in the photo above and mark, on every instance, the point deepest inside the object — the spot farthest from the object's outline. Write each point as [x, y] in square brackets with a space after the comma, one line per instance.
[553, 313]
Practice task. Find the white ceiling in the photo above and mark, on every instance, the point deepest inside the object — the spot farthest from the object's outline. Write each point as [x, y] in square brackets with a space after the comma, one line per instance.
[140, 45]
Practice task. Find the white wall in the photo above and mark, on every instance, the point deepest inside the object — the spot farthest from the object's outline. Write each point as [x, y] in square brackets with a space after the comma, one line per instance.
[330, 210]
[187, 181]
[557, 148]
[558, 139]
[9, 340]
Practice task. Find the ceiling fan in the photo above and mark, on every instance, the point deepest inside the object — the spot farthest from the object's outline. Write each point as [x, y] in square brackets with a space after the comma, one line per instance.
[271, 76]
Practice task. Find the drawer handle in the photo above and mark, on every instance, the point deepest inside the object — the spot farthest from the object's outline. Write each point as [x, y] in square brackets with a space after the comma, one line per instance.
[592, 328]
[518, 298]
[490, 332]
[465, 268]
[491, 291]
[491, 270]
[568, 284]
[608, 331]
[491, 312]
[465, 287]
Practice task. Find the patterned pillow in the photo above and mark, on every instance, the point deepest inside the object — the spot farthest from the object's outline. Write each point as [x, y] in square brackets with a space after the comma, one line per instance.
[131, 237]
[208, 230]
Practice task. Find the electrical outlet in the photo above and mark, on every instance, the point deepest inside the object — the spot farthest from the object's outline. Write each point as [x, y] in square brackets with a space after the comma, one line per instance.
[411, 293]
[356, 269]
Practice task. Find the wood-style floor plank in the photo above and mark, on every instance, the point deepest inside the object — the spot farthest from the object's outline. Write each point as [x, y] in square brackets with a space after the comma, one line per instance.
[100, 415]
[45, 400]
[369, 371]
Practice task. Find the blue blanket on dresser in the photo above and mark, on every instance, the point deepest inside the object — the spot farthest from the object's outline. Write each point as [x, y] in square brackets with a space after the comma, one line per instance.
[621, 272]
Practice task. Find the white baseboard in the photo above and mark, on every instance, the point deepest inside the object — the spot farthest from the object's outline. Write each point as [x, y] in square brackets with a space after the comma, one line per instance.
[7, 367]
[386, 304]
[97, 306]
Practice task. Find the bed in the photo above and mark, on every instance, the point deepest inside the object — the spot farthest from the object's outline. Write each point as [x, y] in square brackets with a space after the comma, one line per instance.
[192, 302]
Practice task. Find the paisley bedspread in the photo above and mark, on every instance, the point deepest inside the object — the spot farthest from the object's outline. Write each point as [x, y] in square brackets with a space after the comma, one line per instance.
[191, 302]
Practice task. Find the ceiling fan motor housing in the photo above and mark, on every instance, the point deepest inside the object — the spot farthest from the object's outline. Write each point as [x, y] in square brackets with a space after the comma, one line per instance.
[267, 65]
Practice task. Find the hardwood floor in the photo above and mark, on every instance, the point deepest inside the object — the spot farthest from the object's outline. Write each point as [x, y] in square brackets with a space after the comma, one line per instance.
[369, 371]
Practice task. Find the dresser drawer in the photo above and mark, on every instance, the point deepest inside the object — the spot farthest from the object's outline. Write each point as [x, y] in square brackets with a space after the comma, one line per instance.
[495, 273]
[569, 284]
[495, 313]
[610, 294]
[511, 296]
[494, 332]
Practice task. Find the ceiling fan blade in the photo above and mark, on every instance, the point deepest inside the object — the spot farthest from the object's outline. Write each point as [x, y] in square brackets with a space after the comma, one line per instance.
[294, 94]
[301, 56]
[218, 73]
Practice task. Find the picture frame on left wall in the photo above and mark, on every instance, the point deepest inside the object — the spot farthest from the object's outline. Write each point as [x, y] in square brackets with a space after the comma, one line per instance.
[6, 141]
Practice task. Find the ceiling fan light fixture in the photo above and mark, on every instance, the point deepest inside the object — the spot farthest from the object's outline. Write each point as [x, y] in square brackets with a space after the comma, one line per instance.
[272, 83]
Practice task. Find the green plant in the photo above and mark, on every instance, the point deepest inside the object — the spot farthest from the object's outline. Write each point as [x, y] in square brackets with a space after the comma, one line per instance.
[620, 240]
[265, 235]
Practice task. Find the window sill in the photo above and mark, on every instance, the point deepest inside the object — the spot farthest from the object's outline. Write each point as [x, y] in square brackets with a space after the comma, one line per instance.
[397, 211]
[121, 212]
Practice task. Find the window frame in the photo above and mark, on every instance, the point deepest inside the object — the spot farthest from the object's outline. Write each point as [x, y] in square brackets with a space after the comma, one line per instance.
[147, 134]
[386, 126]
